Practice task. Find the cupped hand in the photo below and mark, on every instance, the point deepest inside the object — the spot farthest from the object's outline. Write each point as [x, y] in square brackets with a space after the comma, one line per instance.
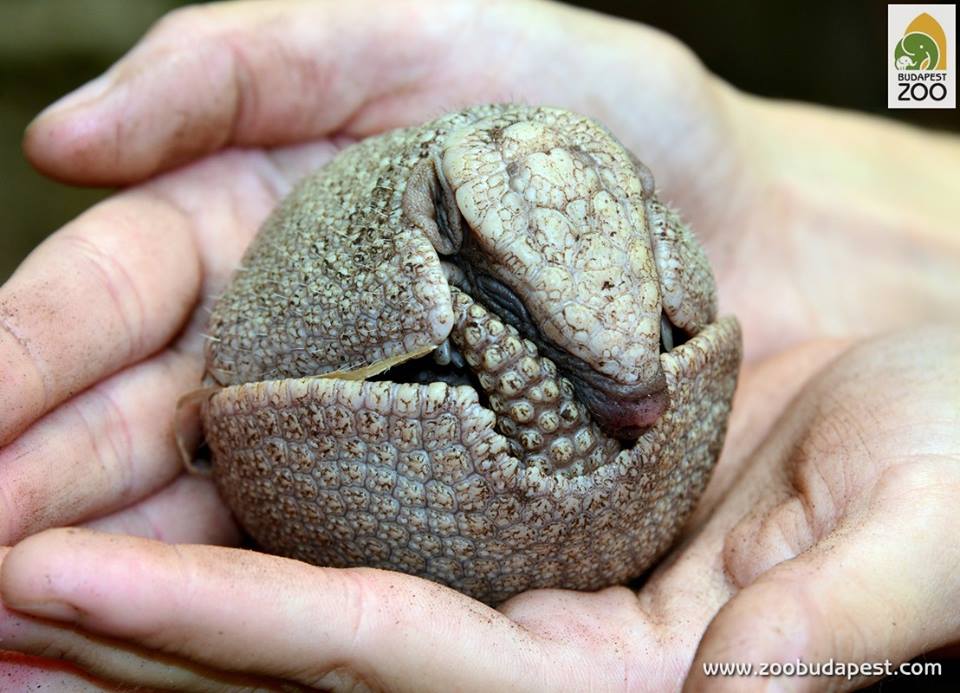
[102, 325]
[837, 542]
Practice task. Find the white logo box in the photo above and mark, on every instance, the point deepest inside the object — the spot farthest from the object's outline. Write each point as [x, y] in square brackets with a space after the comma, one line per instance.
[921, 88]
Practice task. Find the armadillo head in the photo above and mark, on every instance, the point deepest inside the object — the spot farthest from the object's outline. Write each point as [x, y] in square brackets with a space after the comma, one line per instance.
[556, 229]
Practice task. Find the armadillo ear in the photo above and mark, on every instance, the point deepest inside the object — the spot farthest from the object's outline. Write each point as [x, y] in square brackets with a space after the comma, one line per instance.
[687, 288]
[430, 205]
[688, 292]
[645, 175]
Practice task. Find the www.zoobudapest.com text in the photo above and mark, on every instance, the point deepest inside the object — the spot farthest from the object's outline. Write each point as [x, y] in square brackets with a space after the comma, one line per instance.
[849, 670]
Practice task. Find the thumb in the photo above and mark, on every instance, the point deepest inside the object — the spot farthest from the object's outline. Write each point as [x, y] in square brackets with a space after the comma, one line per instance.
[873, 595]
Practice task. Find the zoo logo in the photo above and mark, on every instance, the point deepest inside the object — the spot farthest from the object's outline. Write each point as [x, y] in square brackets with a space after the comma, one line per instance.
[920, 61]
[923, 46]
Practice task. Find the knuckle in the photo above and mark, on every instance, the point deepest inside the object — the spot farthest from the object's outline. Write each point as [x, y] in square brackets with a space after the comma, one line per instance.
[108, 433]
[37, 386]
[926, 484]
[183, 20]
[119, 286]
[360, 594]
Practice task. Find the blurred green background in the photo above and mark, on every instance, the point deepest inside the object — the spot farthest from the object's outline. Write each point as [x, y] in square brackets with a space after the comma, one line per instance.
[832, 53]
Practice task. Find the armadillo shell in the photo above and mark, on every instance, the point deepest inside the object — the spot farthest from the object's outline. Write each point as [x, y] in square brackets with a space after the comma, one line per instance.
[415, 478]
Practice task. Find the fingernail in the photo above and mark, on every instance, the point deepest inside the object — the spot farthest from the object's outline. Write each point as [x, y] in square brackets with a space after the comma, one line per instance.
[86, 94]
[54, 610]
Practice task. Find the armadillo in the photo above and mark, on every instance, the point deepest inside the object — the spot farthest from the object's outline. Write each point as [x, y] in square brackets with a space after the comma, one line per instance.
[477, 350]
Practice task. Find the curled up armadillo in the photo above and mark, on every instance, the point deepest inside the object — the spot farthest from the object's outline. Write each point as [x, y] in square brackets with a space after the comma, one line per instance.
[479, 351]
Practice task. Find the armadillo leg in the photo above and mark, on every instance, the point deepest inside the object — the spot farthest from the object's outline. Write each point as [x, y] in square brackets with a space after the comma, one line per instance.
[537, 410]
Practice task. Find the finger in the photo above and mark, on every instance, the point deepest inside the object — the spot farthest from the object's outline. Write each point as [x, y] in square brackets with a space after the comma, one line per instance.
[68, 660]
[268, 73]
[105, 291]
[188, 510]
[41, 654]
[99, 452]
[78, 663]
[250, 73]
[227, 196]
[248, 612]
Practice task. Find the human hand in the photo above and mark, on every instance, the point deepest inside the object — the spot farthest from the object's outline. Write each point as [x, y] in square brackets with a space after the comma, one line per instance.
[837, 542]
[273, 74]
